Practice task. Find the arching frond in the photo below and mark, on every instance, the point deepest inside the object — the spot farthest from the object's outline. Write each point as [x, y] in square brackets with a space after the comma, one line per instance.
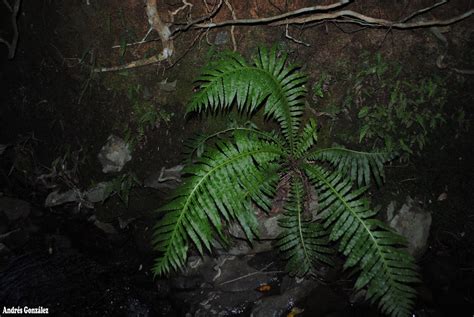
[302, 241]
[307, 138]
[221, 186]
[194, 147]
[268, 80]
[360, 166]
[368, 243]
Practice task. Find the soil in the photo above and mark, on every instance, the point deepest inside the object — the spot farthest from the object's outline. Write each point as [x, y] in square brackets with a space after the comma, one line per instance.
[53, 105]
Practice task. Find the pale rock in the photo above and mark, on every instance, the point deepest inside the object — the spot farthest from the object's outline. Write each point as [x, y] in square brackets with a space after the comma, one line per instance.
[97, 193]
[413, 223]
[114, 154]
[56, 198]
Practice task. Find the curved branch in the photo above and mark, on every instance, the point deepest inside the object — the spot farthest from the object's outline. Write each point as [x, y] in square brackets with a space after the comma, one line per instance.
[14, 13]
[362, 19]
[343, 16]
[275, 18]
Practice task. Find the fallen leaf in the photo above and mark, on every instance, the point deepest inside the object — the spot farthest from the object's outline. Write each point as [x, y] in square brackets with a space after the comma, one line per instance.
[264, 288]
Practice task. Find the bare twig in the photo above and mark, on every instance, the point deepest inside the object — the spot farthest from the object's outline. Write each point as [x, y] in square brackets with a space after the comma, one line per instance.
[135, 43]
[139, 63]
[274, 18]
[287, 35]
[199, 20]
[14, 14]
[9, 7]
[424, 10]
[184, 6]
[343, 16]
[187, 50]
[165, 35]
[262, 271]
[361, 19]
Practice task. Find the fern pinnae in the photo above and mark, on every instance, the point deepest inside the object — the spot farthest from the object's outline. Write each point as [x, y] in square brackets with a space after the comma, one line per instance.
[278, 86]
[360, 166]
[362, 243]
[302, 241]
[198, 204]
[237, 172]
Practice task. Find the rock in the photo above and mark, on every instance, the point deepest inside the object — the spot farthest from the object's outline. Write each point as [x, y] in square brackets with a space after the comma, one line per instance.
[413, 223]
[56, 198]
[242, 247]
[125, 222]
[114, 154]
[97, 193]
[93, 195]
[105, 227]
[268, 227]
[14, 209]
[268, 231]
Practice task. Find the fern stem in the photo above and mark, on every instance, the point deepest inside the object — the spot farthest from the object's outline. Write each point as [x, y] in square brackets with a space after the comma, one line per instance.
[316, 152]
[299, 201]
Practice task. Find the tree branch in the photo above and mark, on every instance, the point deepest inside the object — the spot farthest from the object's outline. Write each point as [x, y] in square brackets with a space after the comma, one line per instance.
[361, 19]
[424, 10]
[279, 17]
[165, 35]
[343, 16]
[14, 13]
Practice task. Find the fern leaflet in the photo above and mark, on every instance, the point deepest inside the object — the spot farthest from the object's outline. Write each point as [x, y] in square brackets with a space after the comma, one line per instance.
[222, 184]
[302, 241]
[369, 243]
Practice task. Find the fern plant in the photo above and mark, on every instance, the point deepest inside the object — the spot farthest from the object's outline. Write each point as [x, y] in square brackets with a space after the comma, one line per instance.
[241, 167]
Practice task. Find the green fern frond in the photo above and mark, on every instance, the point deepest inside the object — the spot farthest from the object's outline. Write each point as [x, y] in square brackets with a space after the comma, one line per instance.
[222, 184]
[194, 147]
[227, 177]
[368, 243]
[360, 166]
[307, 139]
[267, 81]
[302, 241]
